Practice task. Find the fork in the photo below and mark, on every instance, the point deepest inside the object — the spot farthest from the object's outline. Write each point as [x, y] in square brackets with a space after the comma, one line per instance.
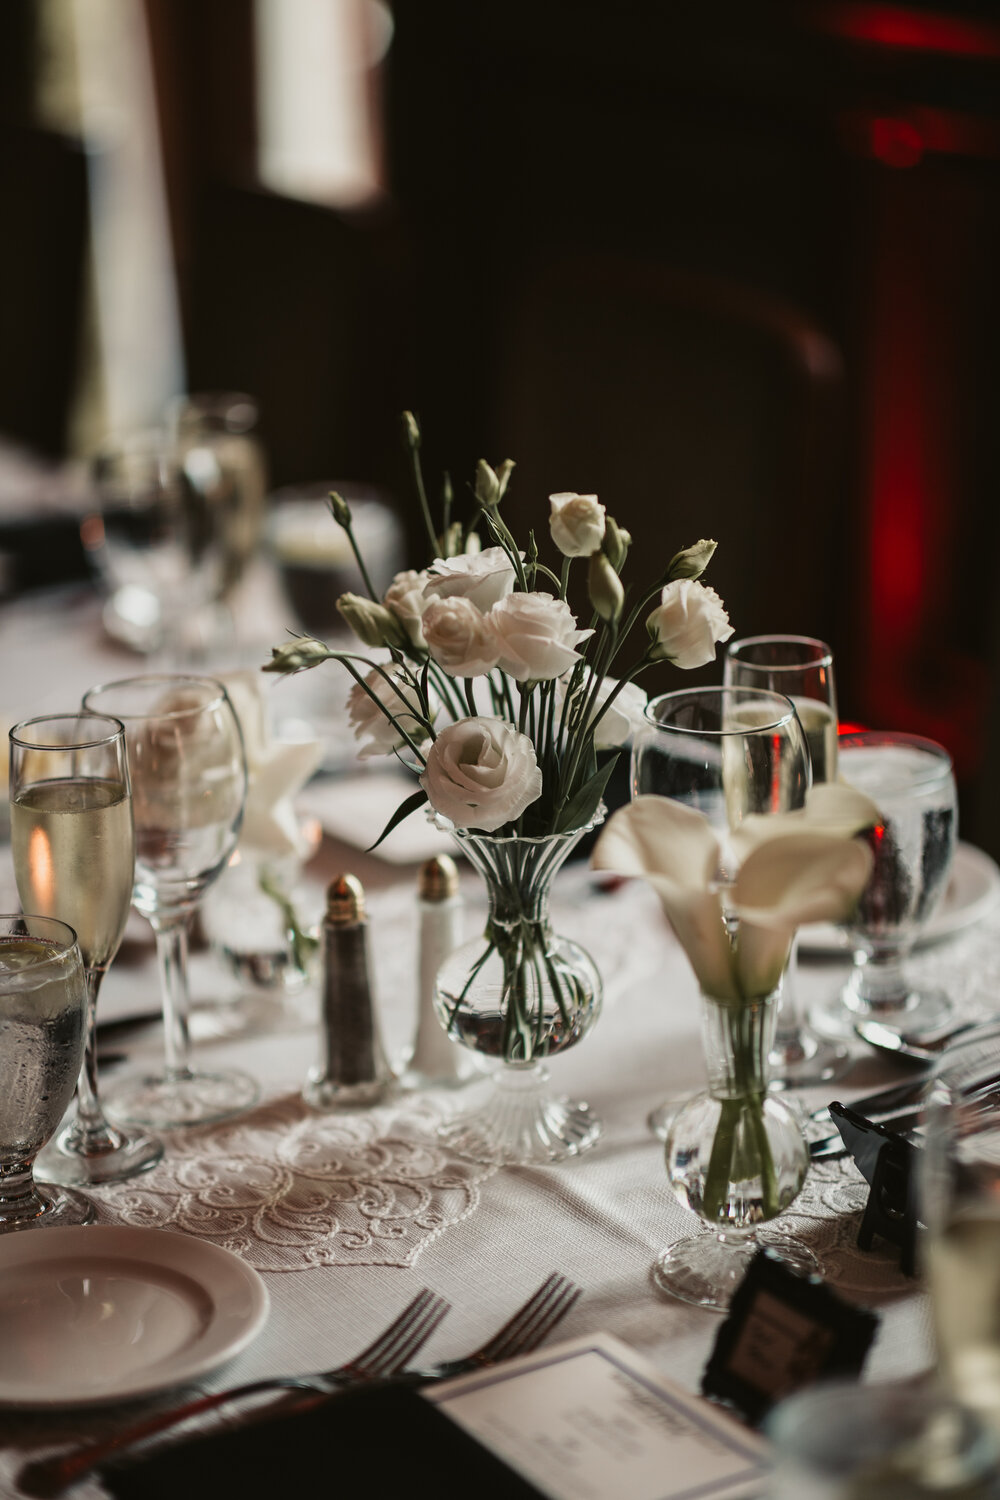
[522, 1332]
[386, 1356]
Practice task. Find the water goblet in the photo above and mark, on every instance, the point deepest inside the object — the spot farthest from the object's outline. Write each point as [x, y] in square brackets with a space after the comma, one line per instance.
[802, 668]
[725, 752]
[43, 1023]
[189, 783]
[911, 781]
[73, 843]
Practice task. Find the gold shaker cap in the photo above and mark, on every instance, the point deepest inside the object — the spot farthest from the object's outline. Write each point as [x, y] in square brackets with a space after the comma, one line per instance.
[438, 879]
[345, 901]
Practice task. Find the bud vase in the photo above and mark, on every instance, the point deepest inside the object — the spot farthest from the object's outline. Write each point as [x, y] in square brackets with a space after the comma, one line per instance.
[519, 994]
[736, 1156]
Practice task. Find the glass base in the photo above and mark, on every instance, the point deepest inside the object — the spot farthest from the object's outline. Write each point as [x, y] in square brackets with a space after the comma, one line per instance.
[706, 1269]
[800, 1060]
[128, 1153]
[521, 1125]
[53, 1206]
[166, 1103]
[917, 1010]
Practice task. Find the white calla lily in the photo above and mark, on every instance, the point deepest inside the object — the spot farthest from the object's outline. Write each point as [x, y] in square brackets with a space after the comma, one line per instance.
[830, 807]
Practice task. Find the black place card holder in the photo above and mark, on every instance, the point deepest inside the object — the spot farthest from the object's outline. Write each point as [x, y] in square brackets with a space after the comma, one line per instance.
[783, 1332]
[888, 1163]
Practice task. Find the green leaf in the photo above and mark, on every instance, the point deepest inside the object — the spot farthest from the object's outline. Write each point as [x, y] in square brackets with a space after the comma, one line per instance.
[402, 811]
[581, 807]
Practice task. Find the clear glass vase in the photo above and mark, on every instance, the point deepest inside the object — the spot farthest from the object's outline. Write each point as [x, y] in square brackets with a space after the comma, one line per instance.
[519, 994]
[736, 1156]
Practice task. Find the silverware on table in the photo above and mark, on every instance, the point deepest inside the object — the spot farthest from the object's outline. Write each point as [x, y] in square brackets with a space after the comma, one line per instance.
[386, 1356]
[523, 1332]
[832, 1146]
[883, 1101]
[915, 1047]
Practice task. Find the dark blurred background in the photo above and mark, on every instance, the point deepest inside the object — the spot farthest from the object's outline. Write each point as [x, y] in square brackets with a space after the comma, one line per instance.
[732, 267]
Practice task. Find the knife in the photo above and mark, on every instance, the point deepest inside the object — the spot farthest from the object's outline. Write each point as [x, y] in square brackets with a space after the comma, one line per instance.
[883, 1101]
[832, 1146]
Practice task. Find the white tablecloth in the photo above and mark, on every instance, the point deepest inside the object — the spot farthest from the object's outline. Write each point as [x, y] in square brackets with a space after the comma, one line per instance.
[390, 1212]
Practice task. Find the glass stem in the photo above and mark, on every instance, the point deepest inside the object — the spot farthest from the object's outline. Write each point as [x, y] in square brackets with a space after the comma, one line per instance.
[90, 1134]
[789, 1023]
[171, 956]
[17, 1188]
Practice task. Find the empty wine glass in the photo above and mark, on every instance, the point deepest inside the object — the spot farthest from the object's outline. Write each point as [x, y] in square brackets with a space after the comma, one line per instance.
[726, 752]
[912, 783]
[43, 1023]
[73, 844]
[189, 782]
[802, 669]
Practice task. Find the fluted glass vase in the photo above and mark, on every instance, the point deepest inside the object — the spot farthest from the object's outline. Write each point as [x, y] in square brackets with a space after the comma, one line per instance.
[736, 1156]
[517, 995]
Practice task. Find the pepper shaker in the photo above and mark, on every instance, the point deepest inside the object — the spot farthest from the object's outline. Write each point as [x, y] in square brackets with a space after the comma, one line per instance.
[354, 1068]
[437, 1061]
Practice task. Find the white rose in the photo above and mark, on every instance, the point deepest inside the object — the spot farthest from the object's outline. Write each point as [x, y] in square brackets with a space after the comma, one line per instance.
[689, 622]
[405, 598]
[481, 577]
[576, 523]
[537, 636]
[397, 697]
[460, 638]
[625, 716]
[481, 773]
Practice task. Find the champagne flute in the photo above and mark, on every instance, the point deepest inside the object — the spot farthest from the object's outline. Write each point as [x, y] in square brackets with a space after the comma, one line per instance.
[73, 843]
[801, 668]
[726, 752]
[43, 1023]
[189, 783]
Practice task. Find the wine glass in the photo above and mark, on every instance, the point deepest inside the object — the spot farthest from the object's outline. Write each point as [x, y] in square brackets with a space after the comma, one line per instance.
[189, 784]
[73, 844]
[912, 783]
[802, 669]
[725, 752]
[960, 1206]
[43, 1023]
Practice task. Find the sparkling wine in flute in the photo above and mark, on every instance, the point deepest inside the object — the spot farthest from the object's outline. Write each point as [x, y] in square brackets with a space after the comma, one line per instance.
[42, 1027]
[761, 773]
[819, 724]
[963, 1267]
[73, 843]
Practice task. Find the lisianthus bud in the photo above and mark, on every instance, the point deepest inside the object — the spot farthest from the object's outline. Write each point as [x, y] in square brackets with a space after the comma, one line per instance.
[298, 655]
[616, 543]
[504, 471]
[372, 623]
[692, 562]
[605, 588]
[411, 430]
[487, 485]
[450, 542]
[340, 509]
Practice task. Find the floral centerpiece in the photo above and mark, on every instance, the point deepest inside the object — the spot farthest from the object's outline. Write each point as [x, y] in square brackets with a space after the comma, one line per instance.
[504, 704]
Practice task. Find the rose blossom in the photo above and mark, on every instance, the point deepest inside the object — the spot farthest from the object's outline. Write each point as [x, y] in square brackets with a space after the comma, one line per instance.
[405, 598]
[688, 623]
[576, 523]
[460, 638]
[625, 716]
[396, 697]
[537, 636]
[481, 773]
[481, 577]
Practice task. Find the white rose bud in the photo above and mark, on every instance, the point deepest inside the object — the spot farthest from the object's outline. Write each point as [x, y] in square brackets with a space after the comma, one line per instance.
[460, 637]
[405, 599]
[372, 623]
[537, 636]
[693, 561]
[616, 543]
[689, 622]
[605, 588]
[481, 577]
[576, 523]
[371, 721]
[481, 773]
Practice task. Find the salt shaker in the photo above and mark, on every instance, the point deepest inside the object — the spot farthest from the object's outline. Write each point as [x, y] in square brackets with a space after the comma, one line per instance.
[437, 1062]
[355, 1070]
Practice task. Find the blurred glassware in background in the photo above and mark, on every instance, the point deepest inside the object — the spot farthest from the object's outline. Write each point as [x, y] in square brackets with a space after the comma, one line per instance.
[855, 1441]
[153, 542]
[315, 565]
[213, 434]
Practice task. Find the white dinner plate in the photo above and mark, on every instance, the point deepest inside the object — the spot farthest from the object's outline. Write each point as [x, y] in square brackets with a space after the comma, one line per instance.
[972, 892]
[99, 1313]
